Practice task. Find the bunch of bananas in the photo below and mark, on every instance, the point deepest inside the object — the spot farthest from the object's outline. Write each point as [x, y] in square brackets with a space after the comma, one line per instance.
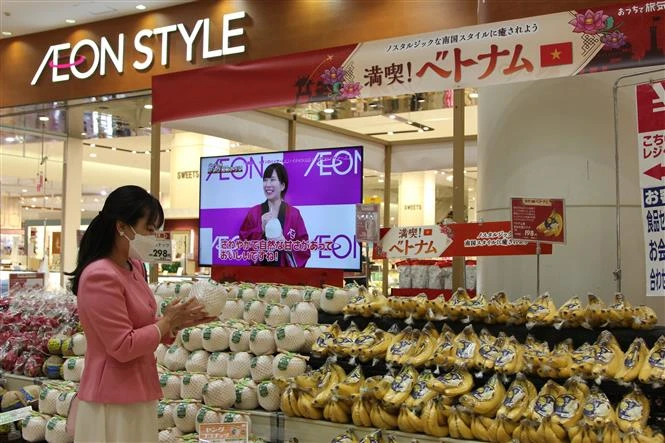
[367, 303]
[368, 344]
[377, 436]
[412, 346]
[653, 368]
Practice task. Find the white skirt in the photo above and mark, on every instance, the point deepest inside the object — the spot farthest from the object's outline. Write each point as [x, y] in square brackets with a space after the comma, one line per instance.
[107, 423]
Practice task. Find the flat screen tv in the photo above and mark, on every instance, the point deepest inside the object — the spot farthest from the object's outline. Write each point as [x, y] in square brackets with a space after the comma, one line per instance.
[288, 209]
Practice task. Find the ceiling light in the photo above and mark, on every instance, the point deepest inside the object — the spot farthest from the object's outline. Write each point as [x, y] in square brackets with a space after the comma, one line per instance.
[10, 139]
[32, 206]
[391, 133]
[92, 145]
[329, 110]
[71, 21]
[103, 192]
[381, 180]
[96, 200]
[93, 155]
[24, 190]
[133, 152]
[147, 106]
[168, 150]
[420, 130]
[393, 116]
[6, 33]
[426, 128]
[43, 118]
[34, 199]
[373, 105]
[409, 122]
[141, 7]
[443, 173]
[421, 100]
[449, 178]
[470, 189]
[473, 95]
[82, 210]
[84, 133]
[113, 148]
[352, 108]
[45, 197]
[147, 152]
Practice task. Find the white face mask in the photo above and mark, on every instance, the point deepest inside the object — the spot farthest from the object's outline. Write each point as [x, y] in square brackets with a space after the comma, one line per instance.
[141, 246]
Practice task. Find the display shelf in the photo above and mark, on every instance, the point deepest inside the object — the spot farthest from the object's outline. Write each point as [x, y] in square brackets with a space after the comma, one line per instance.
[15, 382]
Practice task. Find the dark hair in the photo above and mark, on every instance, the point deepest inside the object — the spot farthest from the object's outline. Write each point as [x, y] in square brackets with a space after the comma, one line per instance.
[282, 175]
[127, 204]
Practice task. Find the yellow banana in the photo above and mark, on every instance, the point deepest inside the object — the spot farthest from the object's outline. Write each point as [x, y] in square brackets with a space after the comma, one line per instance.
[633, 411]
[485, 400]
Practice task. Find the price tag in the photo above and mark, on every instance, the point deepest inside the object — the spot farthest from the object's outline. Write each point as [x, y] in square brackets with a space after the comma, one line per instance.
[224, 432]
[15, 415]
[163, 250]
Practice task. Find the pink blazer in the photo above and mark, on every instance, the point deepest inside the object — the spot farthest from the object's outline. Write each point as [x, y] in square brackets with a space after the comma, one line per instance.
[117, 312]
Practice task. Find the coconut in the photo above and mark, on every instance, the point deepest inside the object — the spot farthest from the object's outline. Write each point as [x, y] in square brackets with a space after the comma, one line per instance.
[218, 364]
[261, 368]
[170, 436]
[233, 309]
[269, 294]
[170, 383]
[246, 398]
[176, 358]
[239, 365]
[262, 340]
[312, 333]
[254, 311]
[277, 314]
[269, 395]
[79, 344]
[247, 294]
[290, 296]
[185, 416]
[333, 300]
[73, 369]
[219, 393]
[305, 313]
[211, 295]
[64, 402]
[197, 361]
[313, 295]
[239, 341]
[52, 365]
[288, 365]
[56, 431]
[191, 338]
[172, 289]
[33, 428]
[191, 386]
[164, 416]
[48, 398]
[235, 417]
[289, 338]
[207, 415]
[215, 338]
[160, 353]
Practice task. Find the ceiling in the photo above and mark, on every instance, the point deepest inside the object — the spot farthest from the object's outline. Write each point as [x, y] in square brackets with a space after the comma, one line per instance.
[22, 17]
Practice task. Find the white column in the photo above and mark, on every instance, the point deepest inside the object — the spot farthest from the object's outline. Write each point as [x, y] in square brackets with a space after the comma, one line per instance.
[417, 202]
[71, 204]
[554, 138]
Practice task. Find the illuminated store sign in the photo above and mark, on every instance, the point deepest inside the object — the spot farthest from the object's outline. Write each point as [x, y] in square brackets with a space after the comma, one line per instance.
[64, 59]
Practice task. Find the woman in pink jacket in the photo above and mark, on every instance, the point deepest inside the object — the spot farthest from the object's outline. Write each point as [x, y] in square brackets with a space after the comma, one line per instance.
[120, 387]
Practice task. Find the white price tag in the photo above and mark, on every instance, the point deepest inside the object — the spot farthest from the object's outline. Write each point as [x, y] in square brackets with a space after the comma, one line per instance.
[15, 415]
[163, 250]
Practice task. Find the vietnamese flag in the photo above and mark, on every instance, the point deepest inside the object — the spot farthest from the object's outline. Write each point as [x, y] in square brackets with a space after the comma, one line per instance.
[556, 54]
[427, 231]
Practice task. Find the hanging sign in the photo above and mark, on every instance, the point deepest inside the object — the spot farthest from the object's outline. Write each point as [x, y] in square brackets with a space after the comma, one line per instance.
[224, 432]
[367, 223]
[538, 219]
[415, 242]
[651, 154]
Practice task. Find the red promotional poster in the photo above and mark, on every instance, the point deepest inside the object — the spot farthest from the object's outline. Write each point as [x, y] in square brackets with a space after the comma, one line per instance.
[538, 219]
[28, 280]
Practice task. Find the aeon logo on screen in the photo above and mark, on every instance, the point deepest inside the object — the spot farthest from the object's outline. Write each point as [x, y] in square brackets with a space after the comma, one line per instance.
[340, 162]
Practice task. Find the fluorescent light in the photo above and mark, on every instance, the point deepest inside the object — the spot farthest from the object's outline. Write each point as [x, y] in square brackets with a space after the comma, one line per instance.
[147, 106]
[82, 210]
[24, 190]
[420, 130]
[141, 7]
[93, 155]
[473, 95]
[409, 122]
[71, 21]
[10, 139]
[113, 148]
[391, 133]
[34, 199]
[329, 110]
[449, 178]
[133, 152]
[84, 133]
[421, 100]
[43, 118]
[6, 33]
[426, 128]
[32, 206]
[92, 145]
[381, 180]
[147, 152]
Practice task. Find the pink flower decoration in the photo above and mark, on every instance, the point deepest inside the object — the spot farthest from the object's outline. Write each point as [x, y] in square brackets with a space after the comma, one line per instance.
[350, 90]
[613, 40]
[590, 22]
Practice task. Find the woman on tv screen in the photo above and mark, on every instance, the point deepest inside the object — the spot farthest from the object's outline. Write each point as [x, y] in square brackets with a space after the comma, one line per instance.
[274, 219]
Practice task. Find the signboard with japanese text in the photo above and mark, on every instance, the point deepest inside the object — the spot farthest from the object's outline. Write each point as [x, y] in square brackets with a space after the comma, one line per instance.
[367, 222]
[224, 432]
[651, 153]
[163, 250]
[25, 281]
[538, 219]
[547, 46]
[461, 240]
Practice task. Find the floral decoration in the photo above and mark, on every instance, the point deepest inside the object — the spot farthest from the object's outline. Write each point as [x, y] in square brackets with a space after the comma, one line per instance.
[613, 40]
[601, 24]
[338, 87]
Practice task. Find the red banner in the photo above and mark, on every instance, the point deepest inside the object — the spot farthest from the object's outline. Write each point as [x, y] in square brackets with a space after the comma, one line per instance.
[538, 219]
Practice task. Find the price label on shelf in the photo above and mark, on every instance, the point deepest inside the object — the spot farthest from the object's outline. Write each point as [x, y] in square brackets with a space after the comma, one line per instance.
[163, 250]
[15, 415]
[224, 432]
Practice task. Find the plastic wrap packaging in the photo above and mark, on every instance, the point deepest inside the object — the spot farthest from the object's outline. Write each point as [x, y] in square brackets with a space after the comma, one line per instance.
[419, 276]
[436, 277]
[404, 276]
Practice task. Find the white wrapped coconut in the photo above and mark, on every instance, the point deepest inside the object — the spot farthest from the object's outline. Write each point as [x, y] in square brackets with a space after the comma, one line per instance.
[173, 289]
[290, 296]
[197, 361]
[305, 313]
[211, 295]
[207, 415]
[313, 295]
[353, 289]
[290, 338]
[239, 341]
[233, 309]
[33, 427]
[218, 364]
[48, 398]
[277, 314]
[191, 386]
[333, 300]
[215, 338]
[170, 435]
[170, 383]
[247, 293]
[254, 311]
[165, 416]
[56, 431]
[239, 365]
[246, 397]
[261, 368]
[262, 340]
[185, 416]
[235, 417]
[160, 353]
[79, 344]
[269, 395]
[269, 294]
[72, 370]
[64, 402]
[287, 365]
[176, 358]
[219, 393]
[312, 333]
[191, 338]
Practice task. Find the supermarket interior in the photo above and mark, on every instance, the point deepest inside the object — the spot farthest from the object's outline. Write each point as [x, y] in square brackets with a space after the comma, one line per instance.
[468, 243]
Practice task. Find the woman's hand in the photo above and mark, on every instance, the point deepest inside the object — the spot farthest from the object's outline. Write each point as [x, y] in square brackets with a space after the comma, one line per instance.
[265, 218]
[179, 315]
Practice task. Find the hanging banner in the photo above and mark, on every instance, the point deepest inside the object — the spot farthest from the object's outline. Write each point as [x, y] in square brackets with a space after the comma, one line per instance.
[651, 153]
[460, 240]
[547, 46]
[538, 219]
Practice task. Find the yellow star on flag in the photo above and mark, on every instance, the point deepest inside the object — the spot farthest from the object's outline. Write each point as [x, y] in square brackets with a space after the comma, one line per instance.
[556, 54]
